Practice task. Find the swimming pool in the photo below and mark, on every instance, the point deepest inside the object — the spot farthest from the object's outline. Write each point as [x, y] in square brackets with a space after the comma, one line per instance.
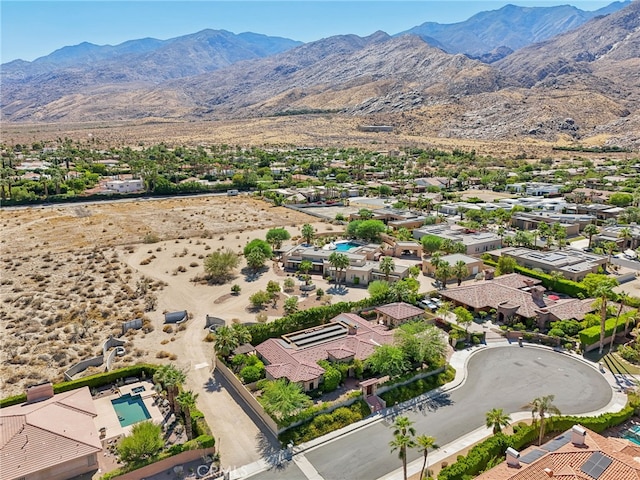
[130, 409]
[633, 434]
[346, 246]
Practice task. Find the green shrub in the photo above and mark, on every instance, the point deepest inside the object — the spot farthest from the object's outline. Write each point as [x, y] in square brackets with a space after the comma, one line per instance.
[418, 387]
[252, 373]
[591, 335]
[627, 352]
[325, 423]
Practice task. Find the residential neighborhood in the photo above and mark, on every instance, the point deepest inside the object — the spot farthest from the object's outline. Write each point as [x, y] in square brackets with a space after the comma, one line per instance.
[369, 308]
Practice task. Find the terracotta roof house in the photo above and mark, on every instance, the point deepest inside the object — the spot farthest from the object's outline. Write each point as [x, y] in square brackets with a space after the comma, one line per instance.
[515, 297]
[577, 454]
[49, 437]
[394, 314]
[295, 356]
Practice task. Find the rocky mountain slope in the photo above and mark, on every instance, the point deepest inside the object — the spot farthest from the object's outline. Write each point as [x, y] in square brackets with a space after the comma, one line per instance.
[583, 84]
[508, 28]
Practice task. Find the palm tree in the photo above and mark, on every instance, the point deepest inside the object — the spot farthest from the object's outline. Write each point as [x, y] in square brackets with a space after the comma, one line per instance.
[226, 341]
[460, 271]
[339, 261]
[424, 443]
[445, 309]
[403, 433]
[610, 247]
[443, 273]
[308, 232]
[601, 287]
[591, 230]
[626, 235]
[623, 297]
[187, 401]
[542, 406]
[171, 377]
[496, 419]
[387, 266]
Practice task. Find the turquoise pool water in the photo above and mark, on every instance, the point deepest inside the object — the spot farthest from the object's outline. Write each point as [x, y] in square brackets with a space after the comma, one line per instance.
[130, 409]
[346, 246]
[633, 434]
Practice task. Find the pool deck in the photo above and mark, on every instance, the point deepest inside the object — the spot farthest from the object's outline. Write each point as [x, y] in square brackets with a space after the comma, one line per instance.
[107, 417]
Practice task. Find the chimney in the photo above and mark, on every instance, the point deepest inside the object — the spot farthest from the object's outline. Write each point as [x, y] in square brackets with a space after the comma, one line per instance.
[512, 457]
[536, 294]
[39, 392]
[578, 434]
[549, 472]
[353, 329]
[528, 282]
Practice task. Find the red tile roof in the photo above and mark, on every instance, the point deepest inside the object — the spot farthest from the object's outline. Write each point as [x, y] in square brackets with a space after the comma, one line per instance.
[507, 290]
[40, 435]
[400, 310]
[566, 463]
[299, 364]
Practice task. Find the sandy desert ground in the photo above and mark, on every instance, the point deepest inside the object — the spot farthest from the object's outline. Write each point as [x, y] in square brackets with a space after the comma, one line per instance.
[71, 274]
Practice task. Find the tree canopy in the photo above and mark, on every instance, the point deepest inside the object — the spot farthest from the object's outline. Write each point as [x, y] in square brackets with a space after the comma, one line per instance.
[219, 266]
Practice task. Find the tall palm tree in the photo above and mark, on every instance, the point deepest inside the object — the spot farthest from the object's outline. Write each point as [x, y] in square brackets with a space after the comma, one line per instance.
[623, 297]
[601, 287]
[424, 443]
[308, 232]
[339, 261]
[542, 406]
[443, 273]
[387, 265]
[590, 230]
[187, 401]
[496, 419]
[610, 247]
[460, 271]
[403, 433]
[171, 377]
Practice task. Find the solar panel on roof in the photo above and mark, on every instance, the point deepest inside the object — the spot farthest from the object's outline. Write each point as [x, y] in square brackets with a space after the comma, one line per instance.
[532, 456]
[557, 442]
[595, 465]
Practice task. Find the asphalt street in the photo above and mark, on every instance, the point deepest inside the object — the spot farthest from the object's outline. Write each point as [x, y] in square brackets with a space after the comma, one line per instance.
[507, 377]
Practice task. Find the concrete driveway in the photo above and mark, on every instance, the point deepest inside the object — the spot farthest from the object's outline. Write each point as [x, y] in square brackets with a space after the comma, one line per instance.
[500, 377]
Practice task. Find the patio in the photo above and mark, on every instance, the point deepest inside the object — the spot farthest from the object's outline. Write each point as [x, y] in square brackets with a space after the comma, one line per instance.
[107, 422]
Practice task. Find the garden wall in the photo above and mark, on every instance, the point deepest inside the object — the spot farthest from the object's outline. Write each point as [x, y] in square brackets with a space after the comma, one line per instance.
[386, 388]
[166, 464]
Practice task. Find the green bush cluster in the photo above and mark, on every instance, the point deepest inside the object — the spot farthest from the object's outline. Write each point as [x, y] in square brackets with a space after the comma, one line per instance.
[411, 390]
[591, 335]
[199, 424]
[325, 423]
[478, 458]
[92, 381]
[202, 441]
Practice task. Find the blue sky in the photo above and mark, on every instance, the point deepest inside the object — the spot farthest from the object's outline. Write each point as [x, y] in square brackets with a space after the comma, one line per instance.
[33, 29]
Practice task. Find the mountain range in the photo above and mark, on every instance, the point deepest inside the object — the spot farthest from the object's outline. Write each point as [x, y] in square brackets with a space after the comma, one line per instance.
[537, 73]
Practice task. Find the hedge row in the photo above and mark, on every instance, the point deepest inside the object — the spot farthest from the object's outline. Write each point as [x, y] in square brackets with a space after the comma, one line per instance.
[92, 381]
[303, 319]
[591, 335]
[483, 454]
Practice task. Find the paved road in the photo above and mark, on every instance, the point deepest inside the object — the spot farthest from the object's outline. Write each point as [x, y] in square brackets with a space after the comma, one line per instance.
[503, 377]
